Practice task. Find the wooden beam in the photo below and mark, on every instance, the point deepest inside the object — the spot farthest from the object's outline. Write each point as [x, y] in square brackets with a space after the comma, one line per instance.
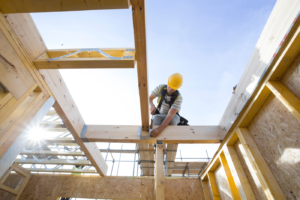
[159, 173]
[172, 134]
[213, 186]
[239, 176]
[70, 115]
[54, 162]
[286, 97]
[230, 180]
[86, 59]
[139, 25]
[22, 40]
[205, 190]
[31, 6]
[62, 170]
[262, 171]
[52, 153]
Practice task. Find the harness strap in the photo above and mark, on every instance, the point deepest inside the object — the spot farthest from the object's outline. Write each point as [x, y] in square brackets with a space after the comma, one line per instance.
[163, 96]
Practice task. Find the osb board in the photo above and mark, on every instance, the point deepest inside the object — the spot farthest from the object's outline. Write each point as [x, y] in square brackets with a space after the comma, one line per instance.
[250, 173]
[222, 184]
[276, 133]
[291, 79]
[49, 187]
[183, 189]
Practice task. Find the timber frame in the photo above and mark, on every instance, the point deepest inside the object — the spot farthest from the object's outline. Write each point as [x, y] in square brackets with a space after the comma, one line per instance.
[29, 76]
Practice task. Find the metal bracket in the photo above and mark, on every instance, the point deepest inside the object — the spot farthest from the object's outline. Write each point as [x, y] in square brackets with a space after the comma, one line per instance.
[143, 137]
[82, 134]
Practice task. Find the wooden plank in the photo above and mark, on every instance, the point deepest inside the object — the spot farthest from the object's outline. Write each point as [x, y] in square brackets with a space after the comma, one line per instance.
[159, 173]
[213, 186]
[232, 185]
[62, 170]
[8, 189]
[25, 28]
[239, 176]
[20, 46]
[52, 153]
[54, 162]
[31, 6]
[13, 74]
[205, 190]
[262, 171]
[139, 25]
[20, 170]
[289, 99]
[172, 134]
[70, 115]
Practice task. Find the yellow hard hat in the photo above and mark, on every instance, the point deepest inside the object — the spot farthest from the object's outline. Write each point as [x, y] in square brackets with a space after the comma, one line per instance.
[175, 81]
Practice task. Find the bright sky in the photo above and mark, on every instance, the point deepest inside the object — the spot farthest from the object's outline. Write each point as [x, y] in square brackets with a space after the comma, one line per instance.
[208, 42]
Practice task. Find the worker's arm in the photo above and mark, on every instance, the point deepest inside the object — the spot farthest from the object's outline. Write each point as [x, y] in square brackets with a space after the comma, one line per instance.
[155, 132]
[152, 106]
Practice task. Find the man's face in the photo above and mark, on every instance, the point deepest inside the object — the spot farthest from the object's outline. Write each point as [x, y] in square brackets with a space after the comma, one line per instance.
[170, 90]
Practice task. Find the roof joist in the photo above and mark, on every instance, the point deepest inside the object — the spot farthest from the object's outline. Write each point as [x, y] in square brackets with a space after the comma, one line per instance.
[31, 6]
[86, 58]
[172, 134]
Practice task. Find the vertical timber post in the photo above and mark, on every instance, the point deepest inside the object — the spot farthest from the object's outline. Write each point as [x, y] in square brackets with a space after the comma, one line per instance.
[159, 172]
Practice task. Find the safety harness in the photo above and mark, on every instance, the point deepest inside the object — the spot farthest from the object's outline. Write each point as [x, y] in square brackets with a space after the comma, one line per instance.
[174, 97]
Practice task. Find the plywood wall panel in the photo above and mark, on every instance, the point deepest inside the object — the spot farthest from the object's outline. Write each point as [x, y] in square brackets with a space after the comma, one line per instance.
[277, 134]
[222, 183]
[183, 189]
[291, 79]
[249, 171]
[49, 187]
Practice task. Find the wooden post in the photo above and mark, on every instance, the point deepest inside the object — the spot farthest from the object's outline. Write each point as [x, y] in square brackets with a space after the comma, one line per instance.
[205, 190]
[213, 186]
[263, 172]
[159, 172]
[230, 179]
[239, 176]
[287, 98]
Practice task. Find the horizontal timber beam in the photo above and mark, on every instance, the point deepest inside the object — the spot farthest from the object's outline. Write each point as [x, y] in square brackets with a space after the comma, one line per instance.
[30, 6]
[86, 59]
[53, 162]
[172, 134]
[52, 153]
[61, 170]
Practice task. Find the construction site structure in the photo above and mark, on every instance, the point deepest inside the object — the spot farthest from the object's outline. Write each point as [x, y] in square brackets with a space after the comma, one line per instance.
[259, 133]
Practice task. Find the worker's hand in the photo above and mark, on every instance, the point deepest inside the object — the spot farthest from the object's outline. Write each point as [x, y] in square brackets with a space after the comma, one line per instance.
[152, 109]
[155, 132]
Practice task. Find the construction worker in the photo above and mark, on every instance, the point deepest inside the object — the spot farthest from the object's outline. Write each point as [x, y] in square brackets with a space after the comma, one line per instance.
[169, 104]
